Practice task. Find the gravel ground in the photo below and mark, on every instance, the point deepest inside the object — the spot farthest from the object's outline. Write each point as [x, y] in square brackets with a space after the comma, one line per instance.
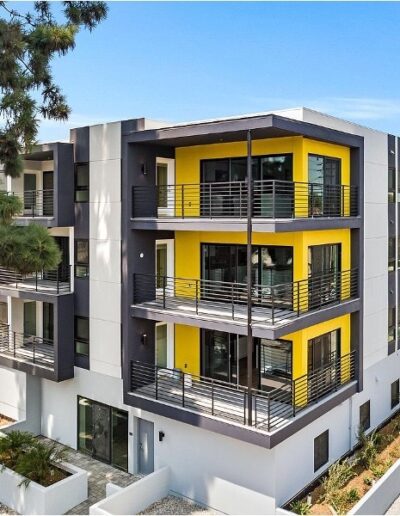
[174, 505]
[6, 510]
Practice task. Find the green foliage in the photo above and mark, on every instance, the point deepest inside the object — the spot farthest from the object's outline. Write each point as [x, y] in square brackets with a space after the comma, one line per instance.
[12, 445]
[369, 448]
[368, 481]
[10, 206]
[29, 42]
[342, 501]
[300, 507]
[338, 476]
[377, 470]
[28, 249]
[38, 461]
[31, 458]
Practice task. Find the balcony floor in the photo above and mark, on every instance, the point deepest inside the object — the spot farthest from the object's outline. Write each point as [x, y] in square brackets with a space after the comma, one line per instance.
[44, 354]
[211, 310]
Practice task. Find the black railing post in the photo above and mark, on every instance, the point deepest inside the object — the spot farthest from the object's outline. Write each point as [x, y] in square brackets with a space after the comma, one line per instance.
[233, 301]
[210, 201]
[36, 280]
[14, 337]
[58, 280]
[294, 397]
[273, 199]
[240, 200]
[212, 397]
[183, 200]
[183, 389]
[197, 296]
[164, 287]
[249, 279]
[272, 305]
[156, 370]
[342, 212]
[269, 412]
[33, 350]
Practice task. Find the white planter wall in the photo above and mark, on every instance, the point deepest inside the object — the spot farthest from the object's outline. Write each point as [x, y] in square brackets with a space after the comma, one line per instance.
[36, 499]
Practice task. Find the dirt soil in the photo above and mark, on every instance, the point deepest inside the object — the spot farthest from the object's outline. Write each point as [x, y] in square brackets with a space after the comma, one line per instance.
[5, 420]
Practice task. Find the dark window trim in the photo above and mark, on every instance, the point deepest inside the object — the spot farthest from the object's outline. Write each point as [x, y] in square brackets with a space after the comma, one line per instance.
[81, 264]
[367, 424]
[84, 341]
[318, 465]
[394, 400]
[80, 188]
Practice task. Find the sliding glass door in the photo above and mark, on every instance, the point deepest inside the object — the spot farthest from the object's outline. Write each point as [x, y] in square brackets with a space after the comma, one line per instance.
[324, 274]
[103, 432]
[325, 193]
[323, 369]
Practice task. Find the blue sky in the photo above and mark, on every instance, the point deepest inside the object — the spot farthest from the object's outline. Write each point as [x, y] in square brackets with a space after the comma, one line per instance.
[184, 61]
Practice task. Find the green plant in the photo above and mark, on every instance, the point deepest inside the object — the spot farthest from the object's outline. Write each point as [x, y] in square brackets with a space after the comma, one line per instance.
[377, 470]
[368, 481]
[369, 448]
[300, 507]
[39, 462]
[12, 445]
[343, 500]
[10, 206]
[338, 476]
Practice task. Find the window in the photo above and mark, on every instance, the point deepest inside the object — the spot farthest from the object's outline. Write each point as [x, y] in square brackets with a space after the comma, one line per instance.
[82, 336]
[82, 182]
[321, 450]
[394, 394]
[391, 254]
[365, 419]
[392, 185]
[81, 258]
[391, 324]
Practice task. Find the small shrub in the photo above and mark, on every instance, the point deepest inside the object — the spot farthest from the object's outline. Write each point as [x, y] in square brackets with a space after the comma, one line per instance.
[368, 481]
[369, 448]
[300, 507]
[377, 470]
[338, 476]
[10, 206]
[342, 501]
[12, 445]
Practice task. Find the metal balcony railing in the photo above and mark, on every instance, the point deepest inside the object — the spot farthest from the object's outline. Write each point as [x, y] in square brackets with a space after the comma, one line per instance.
[272, 199]
[56, 281]
[271, 304]
[37, 203]
[28, 348]
[271, 410]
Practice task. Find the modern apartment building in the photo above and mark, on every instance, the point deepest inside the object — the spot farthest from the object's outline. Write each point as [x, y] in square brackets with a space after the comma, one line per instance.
[180, 331]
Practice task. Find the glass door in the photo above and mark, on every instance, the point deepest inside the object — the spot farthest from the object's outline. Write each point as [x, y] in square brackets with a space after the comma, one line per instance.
[119, 441]
[161, 264]
[323, 368]
[324, 274]
[161, 345]
[101, 432]
[29, 318]
[324, 186]
[48, 321]
[48, 188]
[30, 194]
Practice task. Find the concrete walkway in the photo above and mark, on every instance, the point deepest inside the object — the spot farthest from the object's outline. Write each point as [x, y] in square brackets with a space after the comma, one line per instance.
[99, 474]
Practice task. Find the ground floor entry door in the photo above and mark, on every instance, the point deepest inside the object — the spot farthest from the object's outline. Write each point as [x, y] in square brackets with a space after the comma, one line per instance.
[145, 447]
[103, 432]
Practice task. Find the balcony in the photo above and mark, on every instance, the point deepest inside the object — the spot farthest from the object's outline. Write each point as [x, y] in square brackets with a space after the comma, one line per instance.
[271, 410]
[26, 348]
[225, 204]
[52, 282]
[37, 204]
[191, 301]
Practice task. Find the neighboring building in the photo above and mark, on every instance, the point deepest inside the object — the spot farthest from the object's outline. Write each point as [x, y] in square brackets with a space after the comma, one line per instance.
[135, 350]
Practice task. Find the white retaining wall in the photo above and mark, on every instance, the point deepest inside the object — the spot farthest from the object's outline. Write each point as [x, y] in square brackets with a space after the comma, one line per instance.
[36, 499]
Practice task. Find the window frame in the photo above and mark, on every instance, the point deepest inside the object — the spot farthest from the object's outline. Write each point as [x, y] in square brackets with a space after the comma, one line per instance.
[83, 265]
[365, 419]
[324, 459]
[392, 327]
[78, 340]
[78, 188]
[394, 399]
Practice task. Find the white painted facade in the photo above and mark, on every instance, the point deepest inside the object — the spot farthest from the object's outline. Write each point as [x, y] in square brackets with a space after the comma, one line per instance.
[198, 459]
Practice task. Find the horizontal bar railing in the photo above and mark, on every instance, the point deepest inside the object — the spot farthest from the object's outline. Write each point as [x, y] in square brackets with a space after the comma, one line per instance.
[54, 281]
[192, 392]
[37, 203]
[271, 409]
[274, 408]
[29, 348]
[271, 303]
[272, 199]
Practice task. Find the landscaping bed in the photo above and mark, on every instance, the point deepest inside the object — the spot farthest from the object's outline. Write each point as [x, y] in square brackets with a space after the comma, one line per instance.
[49, 485]
[348, 480]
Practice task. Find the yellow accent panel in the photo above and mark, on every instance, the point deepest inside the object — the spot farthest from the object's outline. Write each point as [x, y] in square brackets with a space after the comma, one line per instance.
[187, 349]
[188, 249]
[300, 341]
[187, 165]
